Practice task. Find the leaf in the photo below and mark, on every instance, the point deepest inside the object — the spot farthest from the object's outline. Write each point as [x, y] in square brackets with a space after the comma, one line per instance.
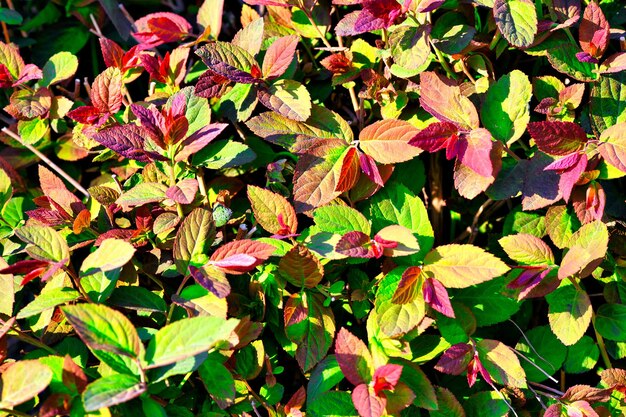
[561, 224]
[612, 146]
[22, 381]
[367, 403]
[455, 359]
[272, 211]
[193, 238]
[47, 300]
[102, 328]
[611, 322]
[353, 358]
[283, 131]
[311, 326]
[587, 248]
[184, 192]
[356, 245]
[387, 141]
[258, 250]
[594, 31]
[558, 138]
[106, 91]
[279, 55]
[410, 48]
[218, 381]
[110, 255]
[11, 58]
[223, 154]
[140, 194]
[569, 313]
[288, 98]
[605, 102]
[46, 244]
[563, 59]
[10, 17]
[250, 37]
[505, 112]
[185, 338]
[445, 102]
[157, 28]
[489, 302]
[59, 67]
[111, 390]
[301, 268]
[545, 352]
[127, 140]
[397, 241]
[210, 16]
[516, 20]
[350, 170]
[229, 60]
[409, 286]
[396, 319]
[527, 249]
[501, 363]
[137, 298]
[340, 220]
[460, 266]
[582, 356]
[317, 174]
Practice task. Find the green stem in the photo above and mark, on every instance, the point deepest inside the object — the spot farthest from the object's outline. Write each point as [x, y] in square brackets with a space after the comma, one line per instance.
[443, 62]
[173, 305]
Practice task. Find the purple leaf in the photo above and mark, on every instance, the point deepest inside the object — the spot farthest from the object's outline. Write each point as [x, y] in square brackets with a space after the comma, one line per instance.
[369, 168]
[212, 279]
[585, 57]
[570, 168]
[436, 136]
[126, 140]
[199, 140]
[355, 245]
[455, 360]
[436, 296]
[558, 138]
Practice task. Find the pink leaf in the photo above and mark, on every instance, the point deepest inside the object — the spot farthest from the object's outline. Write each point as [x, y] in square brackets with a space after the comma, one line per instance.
[353, 358]
[369, 168]
[184, 192]
[212, 279]
[367, 403]
[198, 140]
[443, 99]
[436, 136]
[474, 152]
[570, 168]
[240, 260]
[436, 296]
[126, 140]
[455, 359]
[386, 377]
[258, 250]
[279, 55]
[355, 245]
[594, 31]
[158, 28]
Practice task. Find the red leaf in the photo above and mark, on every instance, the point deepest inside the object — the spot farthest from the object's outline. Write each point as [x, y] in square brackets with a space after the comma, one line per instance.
[436, 295]
[455, 359]
[355, 245]
[408, 286]
[258, 250]
[126, 140]
[106, 91]
[210, 84]
[158, 28]
[558, 138]
[475, 152]
[436, 136]
[349, 174]
[370, 169]
[386, 377]
[29, 72]
[570, 168]
[112, 53]
[89, 115]
[152, 121]
[24, 267]
[367, 403]
[353, 358]
[594, 31]
[279, 56]
[60, 197]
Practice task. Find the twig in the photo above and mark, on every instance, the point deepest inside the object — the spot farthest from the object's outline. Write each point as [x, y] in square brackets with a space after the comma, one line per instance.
[547, 388]
[96, 28]
[128, 17]
[45, 159]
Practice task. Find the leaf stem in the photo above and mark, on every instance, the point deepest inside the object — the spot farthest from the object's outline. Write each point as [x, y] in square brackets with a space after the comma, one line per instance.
[178, 291]
[44, 158]
[443, 62]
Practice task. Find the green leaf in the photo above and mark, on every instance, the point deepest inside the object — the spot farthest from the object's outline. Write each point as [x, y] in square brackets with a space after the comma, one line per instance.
[332, 404]
[224, 154]
[410, 50]
[288, 98]
[32, 131]
[561, 223]
[22, 381]
[396, 319]
[102, 328]
[544, 350]
[527, 249]
[137, 298]
[59, 67]
[606, 102]
[311, 326]
[194, 237]
[582, 356]
[461, 266]
[396, 204]
[101, 269]
[505, 112]
[486, 404]
[518, 221]
[46, 244]
[611, 322]
[210, 17]
[517, 21]
[417, 380]
[449, 406]
[47, 300]
[488, 302]
[569, 313]
[6, 189]
[340, 220]
[268, 207]
[218, 381]
[501, 363]
[111, 390]
[587, 248]
[187, 337]
[324, 377]
[140, 194]
[563, 59]
[228, 60]
[10, 17]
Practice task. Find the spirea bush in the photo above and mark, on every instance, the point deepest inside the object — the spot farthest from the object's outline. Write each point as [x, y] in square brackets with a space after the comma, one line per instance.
[313, 208]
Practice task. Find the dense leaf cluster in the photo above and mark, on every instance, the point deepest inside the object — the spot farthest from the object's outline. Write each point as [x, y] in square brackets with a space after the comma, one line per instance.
[303, 207]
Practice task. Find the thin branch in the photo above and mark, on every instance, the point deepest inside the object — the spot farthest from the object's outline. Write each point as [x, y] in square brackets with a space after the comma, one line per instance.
[45, 159]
